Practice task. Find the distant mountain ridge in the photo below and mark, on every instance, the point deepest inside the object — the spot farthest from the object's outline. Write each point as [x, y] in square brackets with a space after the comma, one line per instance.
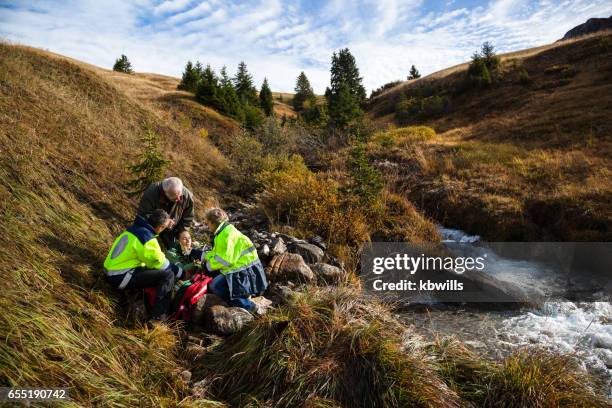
[592, 25]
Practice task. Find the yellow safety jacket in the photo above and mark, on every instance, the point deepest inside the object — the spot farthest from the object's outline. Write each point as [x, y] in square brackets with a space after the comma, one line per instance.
[232, 251]
[135, 247]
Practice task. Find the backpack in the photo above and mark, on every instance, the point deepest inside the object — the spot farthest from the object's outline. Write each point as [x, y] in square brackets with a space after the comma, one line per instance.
[185, 296]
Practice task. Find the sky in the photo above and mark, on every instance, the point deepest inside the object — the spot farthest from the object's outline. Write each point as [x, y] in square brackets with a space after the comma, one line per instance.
[279, 38]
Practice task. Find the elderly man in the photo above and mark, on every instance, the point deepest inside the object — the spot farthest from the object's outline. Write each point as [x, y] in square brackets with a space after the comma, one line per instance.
[171, 196]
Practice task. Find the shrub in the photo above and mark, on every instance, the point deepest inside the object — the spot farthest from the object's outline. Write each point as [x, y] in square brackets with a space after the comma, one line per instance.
[294, 195]
[253, 116]
[404, 136]
[524, 78]
[432, 106]
[407, 109]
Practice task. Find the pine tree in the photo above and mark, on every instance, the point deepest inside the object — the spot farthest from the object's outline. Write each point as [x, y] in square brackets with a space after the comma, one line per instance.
[488, 54]
[122, 64]
[414, 73]
[303, 94]
[347, 94]
[366, 181]
[150, 168]
[191, 78]
[344, 70]
[343, 106]
[208, 90]
[243, 83]
[265, 98]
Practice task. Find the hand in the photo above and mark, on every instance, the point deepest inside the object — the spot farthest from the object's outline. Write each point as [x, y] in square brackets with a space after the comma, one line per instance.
[171, 223]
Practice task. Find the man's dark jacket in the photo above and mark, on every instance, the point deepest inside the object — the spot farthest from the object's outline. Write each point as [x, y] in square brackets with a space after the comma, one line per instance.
[154, 198]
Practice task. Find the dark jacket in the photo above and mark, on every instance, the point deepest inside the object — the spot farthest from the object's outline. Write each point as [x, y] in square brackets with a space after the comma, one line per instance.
[182, 212]
[247, 282]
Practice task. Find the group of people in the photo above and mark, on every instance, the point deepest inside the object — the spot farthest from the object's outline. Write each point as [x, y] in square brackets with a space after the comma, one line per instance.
[164, 218]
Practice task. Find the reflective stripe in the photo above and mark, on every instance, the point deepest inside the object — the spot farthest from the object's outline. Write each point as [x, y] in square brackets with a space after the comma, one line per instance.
[242, 268]
[165, 265]
[180, 273]
[222, 261]
[208, 265]
[120, 246]
[118, 271]
[247, 251]
[126, 280]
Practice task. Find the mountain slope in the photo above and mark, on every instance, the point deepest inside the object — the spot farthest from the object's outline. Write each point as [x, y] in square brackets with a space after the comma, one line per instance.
[67, 134]
[527, 158]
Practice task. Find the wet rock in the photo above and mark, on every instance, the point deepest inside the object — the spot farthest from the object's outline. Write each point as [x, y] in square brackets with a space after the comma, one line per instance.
[289, 267]
[311, 253]
[225, 320]
[327, 273]
[205, 302]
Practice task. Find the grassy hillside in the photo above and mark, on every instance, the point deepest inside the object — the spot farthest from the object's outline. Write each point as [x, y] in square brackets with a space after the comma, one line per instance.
[527, 158]
[67, 134]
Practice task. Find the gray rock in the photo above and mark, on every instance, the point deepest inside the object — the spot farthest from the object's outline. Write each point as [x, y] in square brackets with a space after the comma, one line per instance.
[311, 253]
[278, 247]
[225, 320]
[327, 273]
[288, 267]
[186, 376]
[205, 302]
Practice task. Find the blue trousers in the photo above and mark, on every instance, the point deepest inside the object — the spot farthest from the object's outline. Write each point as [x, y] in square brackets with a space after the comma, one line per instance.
[219, 287]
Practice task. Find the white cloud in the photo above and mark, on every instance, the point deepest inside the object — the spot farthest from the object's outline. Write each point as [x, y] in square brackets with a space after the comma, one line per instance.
[280, 38]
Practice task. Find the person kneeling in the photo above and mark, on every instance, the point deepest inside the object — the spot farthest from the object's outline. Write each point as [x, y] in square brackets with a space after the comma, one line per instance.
[136, 260]
[234, 256]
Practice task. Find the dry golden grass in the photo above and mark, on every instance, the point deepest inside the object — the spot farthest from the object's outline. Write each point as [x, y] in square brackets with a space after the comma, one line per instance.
[67, 134]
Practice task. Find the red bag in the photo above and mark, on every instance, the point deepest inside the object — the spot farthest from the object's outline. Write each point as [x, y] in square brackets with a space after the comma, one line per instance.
[193, 293]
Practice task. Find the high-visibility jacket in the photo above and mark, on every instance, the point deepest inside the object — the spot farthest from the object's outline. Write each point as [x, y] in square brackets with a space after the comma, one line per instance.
[232, 251]
[135, 247]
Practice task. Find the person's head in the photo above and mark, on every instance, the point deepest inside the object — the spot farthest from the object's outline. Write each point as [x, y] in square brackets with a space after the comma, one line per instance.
[173, 188]
[158, 219]
[184, 239]
[214, 218]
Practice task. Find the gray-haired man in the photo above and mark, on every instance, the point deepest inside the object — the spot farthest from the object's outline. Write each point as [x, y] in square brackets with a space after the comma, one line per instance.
[173, 197]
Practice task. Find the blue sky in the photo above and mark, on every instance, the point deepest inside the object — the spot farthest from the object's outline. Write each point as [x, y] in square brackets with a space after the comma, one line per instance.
[278, 38]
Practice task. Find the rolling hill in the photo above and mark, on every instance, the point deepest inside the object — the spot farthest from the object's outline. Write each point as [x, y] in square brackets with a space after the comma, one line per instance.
[526, 158]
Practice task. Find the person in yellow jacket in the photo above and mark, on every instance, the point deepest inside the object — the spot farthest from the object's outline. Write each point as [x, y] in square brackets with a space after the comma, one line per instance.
[234, 257]
[136, 260]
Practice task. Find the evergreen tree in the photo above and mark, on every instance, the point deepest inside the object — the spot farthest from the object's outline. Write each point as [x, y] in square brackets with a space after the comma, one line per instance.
[265, 98]
[414, 73]
[347, 94]
[122, 64]
[303, 94]
[199, 69]
[231, 102]
[343, 106]
[366, 181]
[151, 167]
[344, 70]
[243, 83]
[208, 90]
[191, 78]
